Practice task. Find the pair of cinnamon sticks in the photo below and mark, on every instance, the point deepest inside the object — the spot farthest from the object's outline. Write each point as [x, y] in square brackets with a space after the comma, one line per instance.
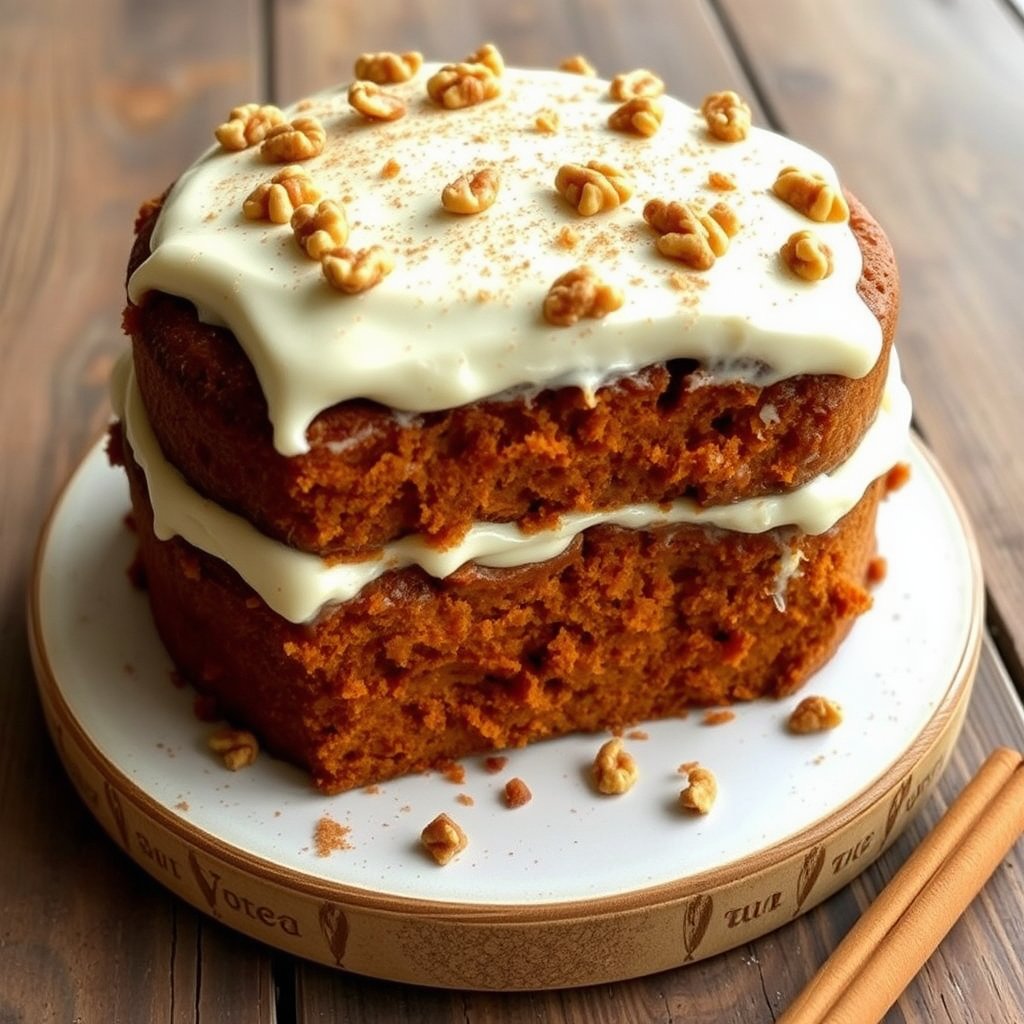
[894, 937]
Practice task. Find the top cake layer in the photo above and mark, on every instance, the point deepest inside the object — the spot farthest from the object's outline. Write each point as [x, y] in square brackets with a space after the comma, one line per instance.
[459, 317]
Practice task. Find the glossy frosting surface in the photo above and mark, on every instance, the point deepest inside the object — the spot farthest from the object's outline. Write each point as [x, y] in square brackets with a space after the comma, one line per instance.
[460, 318]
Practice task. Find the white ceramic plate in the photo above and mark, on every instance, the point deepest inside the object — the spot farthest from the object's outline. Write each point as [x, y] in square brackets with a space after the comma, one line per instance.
[96, 646]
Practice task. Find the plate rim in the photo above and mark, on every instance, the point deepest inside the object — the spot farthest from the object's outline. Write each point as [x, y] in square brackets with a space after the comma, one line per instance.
[668, 892]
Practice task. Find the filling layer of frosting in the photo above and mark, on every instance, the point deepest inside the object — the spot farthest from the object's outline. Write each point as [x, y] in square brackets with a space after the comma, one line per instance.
[459, 318]
[297, 585]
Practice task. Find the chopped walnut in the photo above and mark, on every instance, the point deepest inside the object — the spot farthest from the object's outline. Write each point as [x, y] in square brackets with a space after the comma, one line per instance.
[517, 793]
[388, 68]
[247, 125]
[720, 181]
[577, 294]
[374, 103]
[593, 188]
[811, 195]
[727, 116]
[614, 768]
[641, 116]
[300, 139]
[807, 256]
[700, 791]
[815, 714]
[276, 200]
[547, 121]
[694, 238]
[631, 84]
[237, 747]
[472, 193]
[320, 228]
[463, 85]
[356, 271]
[490, 56]
[578, 65]
[443, 839]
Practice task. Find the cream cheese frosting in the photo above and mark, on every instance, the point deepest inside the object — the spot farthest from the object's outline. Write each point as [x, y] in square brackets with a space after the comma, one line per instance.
[298, 585]
[459, 318]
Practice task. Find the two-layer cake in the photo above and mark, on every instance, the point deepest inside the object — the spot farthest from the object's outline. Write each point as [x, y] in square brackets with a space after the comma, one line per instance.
[469, 406]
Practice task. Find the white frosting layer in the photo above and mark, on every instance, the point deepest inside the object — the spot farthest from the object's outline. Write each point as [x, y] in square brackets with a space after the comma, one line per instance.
[460, 317]
[297, 585]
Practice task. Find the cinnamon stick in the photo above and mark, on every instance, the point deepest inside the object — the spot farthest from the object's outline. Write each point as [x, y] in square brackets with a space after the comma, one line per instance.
[873, 964]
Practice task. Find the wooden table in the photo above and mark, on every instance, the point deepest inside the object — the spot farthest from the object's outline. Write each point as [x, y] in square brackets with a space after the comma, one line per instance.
[920, 105]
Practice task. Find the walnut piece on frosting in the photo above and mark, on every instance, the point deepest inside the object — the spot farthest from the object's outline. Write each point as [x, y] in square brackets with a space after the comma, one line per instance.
[247, 125]
[320, 228]
[721, 181]
[237, 747]
[641, 116]
[300, 139]
[727, 116]
[463, 85]
[632, 84]
[807, 256]
[277, 199]
[577, 294]
[490, 56]
[388, 68]
[472, 193]
[375, 103]
[811, 195]
[690, 236]
[578, 65]
[353, 271]
[815, 714]
[547, 121]
[443, 839]
[593, 188]
[700, 791]
[614, 769]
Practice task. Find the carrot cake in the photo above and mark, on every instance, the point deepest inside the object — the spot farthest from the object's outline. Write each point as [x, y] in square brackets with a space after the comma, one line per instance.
[468, 406]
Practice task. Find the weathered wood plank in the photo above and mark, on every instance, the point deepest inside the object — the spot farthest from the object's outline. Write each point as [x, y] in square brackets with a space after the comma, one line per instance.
[101, 103]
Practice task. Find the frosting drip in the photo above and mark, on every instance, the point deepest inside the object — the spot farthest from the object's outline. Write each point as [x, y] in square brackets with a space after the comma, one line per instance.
[459, 318]
[297, 585]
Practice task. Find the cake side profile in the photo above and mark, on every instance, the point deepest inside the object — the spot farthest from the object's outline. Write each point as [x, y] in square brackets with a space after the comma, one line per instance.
[593, 429]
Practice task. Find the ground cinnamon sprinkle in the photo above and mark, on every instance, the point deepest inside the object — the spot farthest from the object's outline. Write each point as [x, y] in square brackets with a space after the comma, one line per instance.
[330, 836]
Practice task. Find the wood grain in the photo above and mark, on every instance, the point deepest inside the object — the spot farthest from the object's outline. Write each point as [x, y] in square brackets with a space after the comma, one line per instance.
[920, 106]
[100, 102]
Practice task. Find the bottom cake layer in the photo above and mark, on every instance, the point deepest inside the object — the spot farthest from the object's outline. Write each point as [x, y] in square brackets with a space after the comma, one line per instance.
[623, 626]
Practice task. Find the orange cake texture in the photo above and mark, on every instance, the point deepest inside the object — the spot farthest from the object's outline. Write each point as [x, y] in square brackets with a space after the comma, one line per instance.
[493, 457]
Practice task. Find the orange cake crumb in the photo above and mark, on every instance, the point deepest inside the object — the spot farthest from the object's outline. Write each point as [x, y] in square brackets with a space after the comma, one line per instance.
[517, 793]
